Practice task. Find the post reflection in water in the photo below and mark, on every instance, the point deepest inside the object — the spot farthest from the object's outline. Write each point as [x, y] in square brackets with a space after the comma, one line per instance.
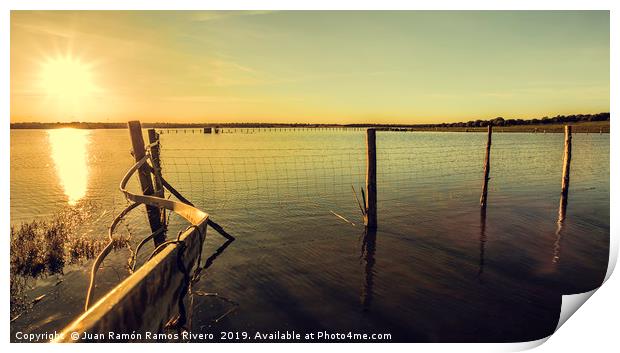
[69, 151]
[215, 255]
[560, 227]
[483, 238]
[367, 257]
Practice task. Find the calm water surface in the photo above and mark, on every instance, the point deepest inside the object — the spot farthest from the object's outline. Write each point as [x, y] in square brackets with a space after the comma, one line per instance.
[435, 270]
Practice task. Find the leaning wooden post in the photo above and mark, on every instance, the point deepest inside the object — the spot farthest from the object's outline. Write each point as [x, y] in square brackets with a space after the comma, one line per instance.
[487, 168]
[159, 189]
[370, 218]
[566, 167]
[144, 176]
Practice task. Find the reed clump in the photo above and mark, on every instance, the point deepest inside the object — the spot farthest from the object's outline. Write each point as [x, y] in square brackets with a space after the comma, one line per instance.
[42, 248]
[37, 248]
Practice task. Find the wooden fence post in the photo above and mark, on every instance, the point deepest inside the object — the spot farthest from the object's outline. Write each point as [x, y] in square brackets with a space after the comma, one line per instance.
[159, 188]
[566, 168]
[144, 176]
[154, 138]
[487, 168]
[370, 219]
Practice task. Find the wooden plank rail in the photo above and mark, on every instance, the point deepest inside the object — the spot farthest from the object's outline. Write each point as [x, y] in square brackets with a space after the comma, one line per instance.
[146, 300]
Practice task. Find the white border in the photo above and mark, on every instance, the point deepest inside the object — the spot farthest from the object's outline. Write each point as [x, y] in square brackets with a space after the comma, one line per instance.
[595, 326]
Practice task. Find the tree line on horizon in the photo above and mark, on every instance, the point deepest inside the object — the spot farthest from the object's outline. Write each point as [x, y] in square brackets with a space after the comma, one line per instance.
[558, 119]
[498, 121]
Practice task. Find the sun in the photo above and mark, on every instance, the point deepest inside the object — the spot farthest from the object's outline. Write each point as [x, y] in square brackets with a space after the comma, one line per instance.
[67, 79]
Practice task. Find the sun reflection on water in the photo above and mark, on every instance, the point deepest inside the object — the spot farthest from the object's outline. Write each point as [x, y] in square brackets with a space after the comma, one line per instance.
[69, 149]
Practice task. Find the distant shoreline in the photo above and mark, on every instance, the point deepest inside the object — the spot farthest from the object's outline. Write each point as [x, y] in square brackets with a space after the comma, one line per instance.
[580, 127]
[582, 123]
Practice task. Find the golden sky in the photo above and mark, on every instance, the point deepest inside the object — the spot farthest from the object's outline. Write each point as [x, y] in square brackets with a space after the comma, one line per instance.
[307, 66]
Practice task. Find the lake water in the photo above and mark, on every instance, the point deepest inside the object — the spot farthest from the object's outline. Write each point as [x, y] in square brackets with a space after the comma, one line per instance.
[435, 270]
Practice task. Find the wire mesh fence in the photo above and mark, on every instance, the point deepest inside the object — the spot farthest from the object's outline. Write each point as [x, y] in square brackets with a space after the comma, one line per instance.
[313, 170]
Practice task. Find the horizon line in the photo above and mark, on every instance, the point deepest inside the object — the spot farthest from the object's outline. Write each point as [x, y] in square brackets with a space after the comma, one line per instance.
[304, 123]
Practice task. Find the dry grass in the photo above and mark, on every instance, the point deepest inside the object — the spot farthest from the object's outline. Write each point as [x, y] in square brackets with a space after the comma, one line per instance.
[37, 248]
[44, 247]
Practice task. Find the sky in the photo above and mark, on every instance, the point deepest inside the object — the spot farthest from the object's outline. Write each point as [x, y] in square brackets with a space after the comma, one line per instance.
[396, 67]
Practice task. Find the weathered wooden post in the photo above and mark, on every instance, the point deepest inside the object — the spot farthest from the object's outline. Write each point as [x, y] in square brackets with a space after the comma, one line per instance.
[564, 194]
[157, 183]
[487, 168]
[144, 176]
[370, 218]
[565, 174]
[566, 169]
[154, 141]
